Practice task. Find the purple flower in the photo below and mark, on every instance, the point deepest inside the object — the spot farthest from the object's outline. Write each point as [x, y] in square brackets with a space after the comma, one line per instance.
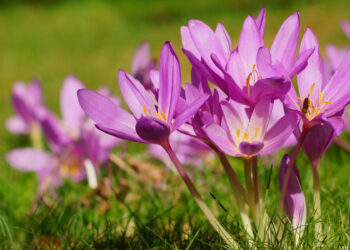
[142, 65]
[76, 146]
[294, 200]
[245, 132]
[320, 100]
[251, 71]
[26, 100]
[152, 121]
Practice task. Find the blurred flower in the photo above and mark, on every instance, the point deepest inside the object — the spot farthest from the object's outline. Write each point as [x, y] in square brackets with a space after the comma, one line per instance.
[26, 100]
[245, 132]
[294, 200]
[149, 123]
[142, 65]
[77, 148]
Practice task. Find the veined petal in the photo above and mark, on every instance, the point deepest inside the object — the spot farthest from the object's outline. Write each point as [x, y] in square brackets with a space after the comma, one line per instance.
[207, 43]
[141, 58]
[337, 91]
[121, 131]
[260, 118]
[260, 21]
[29, 159]
[234, 120]
[313, 73]
[285, 43]
[236, 69]
[71, 111]
[190, 111]
[103, 111]
[221, 139]
[249, 43]
[223, 37]
[169, 80]
[188, 43]
[279, 133]
[135, 95]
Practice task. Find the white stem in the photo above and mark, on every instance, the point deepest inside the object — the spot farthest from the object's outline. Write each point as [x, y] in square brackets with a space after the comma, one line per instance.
[90, 173]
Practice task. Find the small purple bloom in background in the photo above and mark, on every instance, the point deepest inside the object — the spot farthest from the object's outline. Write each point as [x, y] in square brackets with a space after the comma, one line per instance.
[77, 148]
[245, 133]
[294, 200]
[142, 65]
[26, 100]
[152, 121]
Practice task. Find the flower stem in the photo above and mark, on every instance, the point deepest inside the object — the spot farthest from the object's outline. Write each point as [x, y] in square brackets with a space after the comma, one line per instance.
[248, 178]
[345, 145]
[289, 170]
[35, 136]
[213, 221]
[317, 200]
[238, 191]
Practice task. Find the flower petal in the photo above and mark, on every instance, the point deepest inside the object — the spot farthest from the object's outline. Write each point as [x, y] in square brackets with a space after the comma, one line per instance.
[345, 27]
[190, 111]
[260, 118]
[223, 37]
[300, 62]
[285, 43]
[152, 130]
[279, 133]
[71, 111]
[169, 80]
[260, 21]
[141, 58]
[135, 95]
[250, 148]
[16, 125]
[29, 159]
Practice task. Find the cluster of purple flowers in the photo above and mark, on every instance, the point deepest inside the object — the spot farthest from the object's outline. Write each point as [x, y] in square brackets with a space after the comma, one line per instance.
[251, 109]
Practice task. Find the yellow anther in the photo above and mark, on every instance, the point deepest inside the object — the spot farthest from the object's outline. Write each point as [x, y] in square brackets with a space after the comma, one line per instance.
[326, 102]
[164, 115]
[238, 133]
[316, 110]
[247, 80]
[245, 136]
[320, 96]
[144, 109]
[256, 131]
[312, 88]
[253, 67]
[159, 116]
[301, 99]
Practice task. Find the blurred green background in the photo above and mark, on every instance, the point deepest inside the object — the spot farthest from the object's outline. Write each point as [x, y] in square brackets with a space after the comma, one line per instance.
[93, 39]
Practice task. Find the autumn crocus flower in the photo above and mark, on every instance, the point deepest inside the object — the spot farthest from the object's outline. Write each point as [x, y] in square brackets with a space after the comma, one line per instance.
[294, 200]
[246, 135]
[152, 120]
[142, 65]
[251, 71]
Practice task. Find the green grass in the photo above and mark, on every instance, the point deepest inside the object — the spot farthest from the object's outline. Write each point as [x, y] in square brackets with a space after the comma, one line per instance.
[92, 40]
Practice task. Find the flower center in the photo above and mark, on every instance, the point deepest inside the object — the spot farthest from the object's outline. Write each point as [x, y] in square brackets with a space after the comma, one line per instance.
[252, 78]
[247, 137]
[312, 109]
[161, 115]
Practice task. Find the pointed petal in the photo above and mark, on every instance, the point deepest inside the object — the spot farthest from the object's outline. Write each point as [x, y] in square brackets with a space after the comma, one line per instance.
[71, 111]
[154, 75]
[260, 21]
[29, 159]
[190, 111]
[141, 58]
[285, 43]
[260, 118]
[16, 125]
[313, 73]
[135, 95]
[236, 69]
[169, 80]
[220, 138]
[249, 43]
[224, 38]
[233, 119]
[279, 133]
[275, 88]
[300, 62]
[294, 201]
[121, 131]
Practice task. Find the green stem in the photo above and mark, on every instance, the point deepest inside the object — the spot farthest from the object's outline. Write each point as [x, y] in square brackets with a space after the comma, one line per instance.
[35, 136]
[213, 221]
[238, 191]
[317, 200]
[248, 178]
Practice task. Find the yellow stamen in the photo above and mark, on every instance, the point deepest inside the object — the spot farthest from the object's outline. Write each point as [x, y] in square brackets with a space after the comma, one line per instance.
[159, 116]
[314, 108]
[320, 96]
[144, 109]
[247, 80]
[256, 131]
[164, 115]
[301, 99]
[253, 67]
[312, 88]
[238, 133]
[245, 136]
[327, 102]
